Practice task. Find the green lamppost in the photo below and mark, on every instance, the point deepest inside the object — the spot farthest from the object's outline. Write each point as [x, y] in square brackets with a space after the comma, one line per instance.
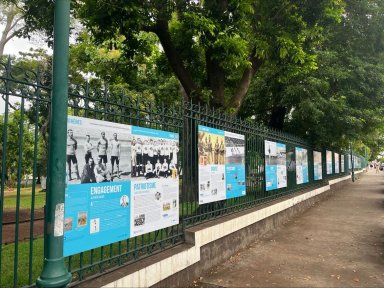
[54, 273]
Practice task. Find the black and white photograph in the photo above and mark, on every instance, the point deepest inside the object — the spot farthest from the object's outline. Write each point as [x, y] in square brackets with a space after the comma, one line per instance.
[139, 220]
[157, 195]
[235, 150]
[98, 151]
[153, 157]
[275, 153]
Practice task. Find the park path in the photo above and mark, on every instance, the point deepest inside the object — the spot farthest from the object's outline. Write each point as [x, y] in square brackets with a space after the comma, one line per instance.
[337, 243]
[9, 227]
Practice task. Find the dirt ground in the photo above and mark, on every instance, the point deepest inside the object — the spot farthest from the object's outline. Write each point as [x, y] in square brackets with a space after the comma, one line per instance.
[337, 243]
[9, 226]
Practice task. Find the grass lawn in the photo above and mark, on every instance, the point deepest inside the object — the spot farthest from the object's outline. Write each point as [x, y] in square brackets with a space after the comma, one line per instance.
[8, 256]
[23, 191]
[25, 201]
[10, 197]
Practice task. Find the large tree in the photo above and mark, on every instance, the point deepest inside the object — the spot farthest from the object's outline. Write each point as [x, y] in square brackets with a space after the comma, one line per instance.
[340, 101]
[146, 75]
[214, 47]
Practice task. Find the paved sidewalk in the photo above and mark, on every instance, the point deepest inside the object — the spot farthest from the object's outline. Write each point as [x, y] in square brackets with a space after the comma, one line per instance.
[337, 243]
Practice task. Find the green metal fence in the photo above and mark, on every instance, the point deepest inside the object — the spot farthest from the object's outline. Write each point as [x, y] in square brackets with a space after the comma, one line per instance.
[24, 123]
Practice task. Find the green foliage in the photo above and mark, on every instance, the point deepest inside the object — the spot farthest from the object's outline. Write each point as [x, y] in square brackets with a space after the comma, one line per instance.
[210, 45]
[40, 64]
[16, 125]
[319, 75]
[340, 99]
[145, 74]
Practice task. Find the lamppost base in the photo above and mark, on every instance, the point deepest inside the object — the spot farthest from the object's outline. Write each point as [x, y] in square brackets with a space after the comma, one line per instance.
[54, 274]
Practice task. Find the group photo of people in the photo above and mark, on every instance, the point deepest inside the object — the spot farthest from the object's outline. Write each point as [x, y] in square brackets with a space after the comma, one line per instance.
[97, 155]
[154, 157]
[211, 149]
[234, 150]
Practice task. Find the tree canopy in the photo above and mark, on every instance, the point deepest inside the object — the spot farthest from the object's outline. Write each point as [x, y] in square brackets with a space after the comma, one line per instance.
[309, 67]
[341, 100]
[213, 47]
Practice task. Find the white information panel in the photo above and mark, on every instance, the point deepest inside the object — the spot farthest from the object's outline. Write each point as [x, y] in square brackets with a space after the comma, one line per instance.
[221, 164]
[275, 165]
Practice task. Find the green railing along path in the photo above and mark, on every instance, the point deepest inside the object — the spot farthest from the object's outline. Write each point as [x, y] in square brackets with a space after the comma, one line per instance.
[23, 127]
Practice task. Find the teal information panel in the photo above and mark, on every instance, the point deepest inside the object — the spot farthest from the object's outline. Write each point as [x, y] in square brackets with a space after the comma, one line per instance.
[122, 181]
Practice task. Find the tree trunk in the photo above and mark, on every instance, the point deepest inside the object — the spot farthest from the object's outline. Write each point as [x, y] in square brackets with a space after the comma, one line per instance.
[238, 97]
[4, 35]
[215, 79]
[277, 117]
[10, 30]
[38, 181]
[176, 62]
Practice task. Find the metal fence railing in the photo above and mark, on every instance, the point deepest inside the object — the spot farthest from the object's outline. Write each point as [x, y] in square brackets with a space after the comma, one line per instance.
[24, 122]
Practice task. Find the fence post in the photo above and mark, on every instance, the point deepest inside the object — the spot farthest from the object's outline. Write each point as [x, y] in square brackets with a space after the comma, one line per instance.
[54, 273]
[352, 164]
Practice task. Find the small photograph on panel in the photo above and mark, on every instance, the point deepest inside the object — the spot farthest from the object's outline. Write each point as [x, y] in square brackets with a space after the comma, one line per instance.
[211, 148]
[234, 150]
[68, 224]
[94, 226]
[124, 201]
[81, 219]
[154, 157]
[139, 220]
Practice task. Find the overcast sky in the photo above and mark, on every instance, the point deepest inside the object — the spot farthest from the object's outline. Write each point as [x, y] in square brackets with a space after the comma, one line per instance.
[13, 47]
[16, 45]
